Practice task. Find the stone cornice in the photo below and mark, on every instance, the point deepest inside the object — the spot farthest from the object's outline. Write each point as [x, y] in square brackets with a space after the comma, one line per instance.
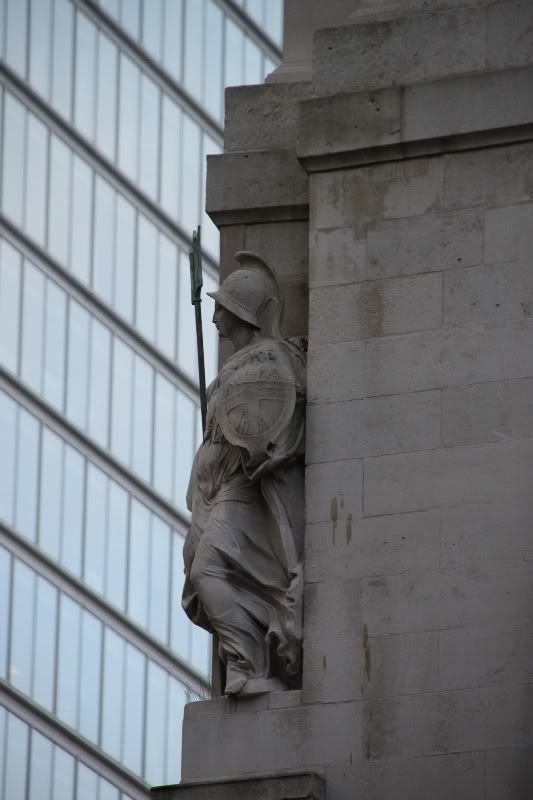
[351, 129]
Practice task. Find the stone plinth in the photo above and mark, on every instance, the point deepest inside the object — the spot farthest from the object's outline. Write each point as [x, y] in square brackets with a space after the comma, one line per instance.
[299, 786]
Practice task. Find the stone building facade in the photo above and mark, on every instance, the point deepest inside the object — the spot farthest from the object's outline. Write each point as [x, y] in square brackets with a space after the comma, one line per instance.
[386, 173]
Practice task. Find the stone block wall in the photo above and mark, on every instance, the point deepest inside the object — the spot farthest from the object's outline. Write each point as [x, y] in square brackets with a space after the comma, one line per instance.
[420, 421]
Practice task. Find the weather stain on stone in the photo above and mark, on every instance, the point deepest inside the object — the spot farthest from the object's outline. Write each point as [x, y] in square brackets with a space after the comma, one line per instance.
[370, 308]
[348, 529]
[366, 650]
[324, 663]
[334, 513]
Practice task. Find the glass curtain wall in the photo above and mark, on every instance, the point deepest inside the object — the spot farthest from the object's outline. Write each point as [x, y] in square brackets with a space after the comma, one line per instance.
[108, 109]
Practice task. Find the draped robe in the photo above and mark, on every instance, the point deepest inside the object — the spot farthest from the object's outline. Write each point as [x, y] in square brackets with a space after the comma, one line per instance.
[243, 552]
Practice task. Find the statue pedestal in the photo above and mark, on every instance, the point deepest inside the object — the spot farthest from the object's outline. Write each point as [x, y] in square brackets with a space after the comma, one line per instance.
[296, 786]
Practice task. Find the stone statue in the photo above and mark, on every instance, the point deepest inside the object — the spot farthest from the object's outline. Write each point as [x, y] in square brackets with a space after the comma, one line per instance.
[243, 552]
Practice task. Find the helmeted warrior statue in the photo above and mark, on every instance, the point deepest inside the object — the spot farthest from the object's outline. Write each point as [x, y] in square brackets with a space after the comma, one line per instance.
[243, 552]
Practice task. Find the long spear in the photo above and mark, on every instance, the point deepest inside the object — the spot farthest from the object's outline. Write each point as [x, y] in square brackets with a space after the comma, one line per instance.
[195, 262]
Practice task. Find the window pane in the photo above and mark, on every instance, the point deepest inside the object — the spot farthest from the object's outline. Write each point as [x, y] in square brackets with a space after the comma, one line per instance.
[124, 258]
[190, 175]
[87, 783]
[21, 653]
[172, 37]
[8, 423]
[95, 528]
[73, 493]
[128, 117]
[213, 69]
[54, 347]
[159, 580]
[134, 709]
[130, 17]
[210, 235]
[107, 791]
[45, 638]
[40, 31]
[111, 6]
[146, 278]
[176, 705]
[180, 625]
[16, 755]
[32, 328]
[104, 226]
[187, 358]
[35, 219]
[143, 378]
[41, 767]
[2, 37]
[10, 273]
[100, 360]
[62, 57]
[112, 703]
[167, 296]
[77, 365]
[121, 400]
[117, 546]
[91, 644]
[81, 211]
[84, 101]
[107, 96]
[139, 560]
[63, 779]
[149, 141]
[151, 28]
[59, 200]
[68, 661]
[156, 705]
[184, 450]
[209, 330]
[194, 13]
[200, 650]
[16, 25]
[170, 157]
[233, 73]
[51, 493]
[274, 21]
[27, 475]
[164, 433]
[5, 588]
[13, 163]
[252, 62]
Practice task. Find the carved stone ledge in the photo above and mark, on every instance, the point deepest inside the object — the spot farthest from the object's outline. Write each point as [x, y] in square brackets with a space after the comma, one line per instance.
[298, 786]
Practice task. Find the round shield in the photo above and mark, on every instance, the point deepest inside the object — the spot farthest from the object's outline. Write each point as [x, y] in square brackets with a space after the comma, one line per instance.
[256, 403]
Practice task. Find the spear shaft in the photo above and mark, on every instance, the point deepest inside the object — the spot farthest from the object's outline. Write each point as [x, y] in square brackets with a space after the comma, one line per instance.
[195, 263]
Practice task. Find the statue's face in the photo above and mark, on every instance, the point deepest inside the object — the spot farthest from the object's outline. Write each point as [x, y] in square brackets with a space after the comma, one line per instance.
[225, 322]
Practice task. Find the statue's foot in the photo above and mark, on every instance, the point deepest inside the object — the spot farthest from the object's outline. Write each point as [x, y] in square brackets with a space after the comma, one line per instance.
[238, 683]
[235, 681]
[261, 686]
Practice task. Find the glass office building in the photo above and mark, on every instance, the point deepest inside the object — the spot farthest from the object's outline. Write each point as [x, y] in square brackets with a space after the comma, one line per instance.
[107, 112]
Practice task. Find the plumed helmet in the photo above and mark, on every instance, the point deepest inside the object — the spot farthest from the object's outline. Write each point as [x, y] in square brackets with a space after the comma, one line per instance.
[247, 291]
